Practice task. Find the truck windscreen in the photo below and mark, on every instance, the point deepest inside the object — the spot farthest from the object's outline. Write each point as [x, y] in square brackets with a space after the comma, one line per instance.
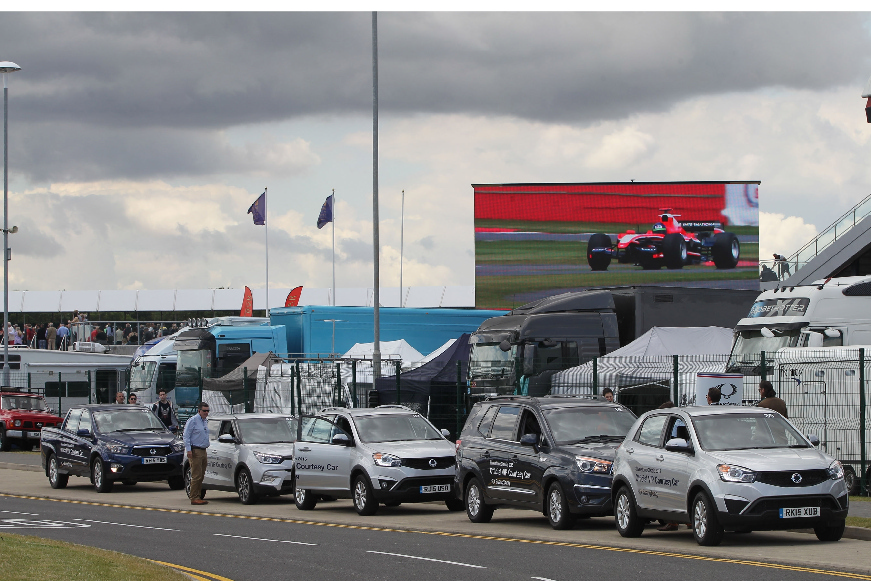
[488, 357]
[748, 344]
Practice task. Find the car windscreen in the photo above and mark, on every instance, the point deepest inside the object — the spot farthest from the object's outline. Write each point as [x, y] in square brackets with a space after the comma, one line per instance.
[12, 402]
[127, 421]
[267, 430]
[746, 432]
[395, 428]
[580, 425]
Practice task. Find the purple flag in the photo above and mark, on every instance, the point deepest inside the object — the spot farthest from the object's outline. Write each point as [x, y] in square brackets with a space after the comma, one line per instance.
[326, 215]
[258, 208]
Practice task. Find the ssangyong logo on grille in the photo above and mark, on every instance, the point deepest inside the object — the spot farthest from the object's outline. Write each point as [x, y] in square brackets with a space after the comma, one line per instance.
[153, 451]
[433, 463]
[796, 478]
[38, 424]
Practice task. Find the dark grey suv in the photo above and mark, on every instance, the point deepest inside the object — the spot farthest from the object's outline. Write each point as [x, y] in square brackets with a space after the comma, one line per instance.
[551, 454]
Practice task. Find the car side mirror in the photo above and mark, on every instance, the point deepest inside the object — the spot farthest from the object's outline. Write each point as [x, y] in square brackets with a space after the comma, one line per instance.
[678, 445]
[814, 440]
[446, 434]
[529, 440]
[341, 439]
[226, 439]
[505, 345]
[83, 433]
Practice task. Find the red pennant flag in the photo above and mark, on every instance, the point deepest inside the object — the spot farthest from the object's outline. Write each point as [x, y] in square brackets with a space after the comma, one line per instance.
[293, 297]
[247, 304]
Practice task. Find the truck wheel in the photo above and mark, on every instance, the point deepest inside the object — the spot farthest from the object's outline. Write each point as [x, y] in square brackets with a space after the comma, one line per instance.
[176, 482]
[55, 478]
[558, 509]
[304, 499]
[726, 250]
[98, 475]
[5, 444]
[364, 499]
[598, 260]
[706, 527]
[476, 509]
[628, 523]
[851, 481]
[832, 533]
[674, 250]
[245, 488]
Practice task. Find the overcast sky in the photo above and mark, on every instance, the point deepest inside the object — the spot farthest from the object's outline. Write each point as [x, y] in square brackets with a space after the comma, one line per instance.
[137, 141]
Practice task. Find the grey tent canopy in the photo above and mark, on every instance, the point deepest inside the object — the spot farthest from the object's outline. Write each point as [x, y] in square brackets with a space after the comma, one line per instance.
[234, 381]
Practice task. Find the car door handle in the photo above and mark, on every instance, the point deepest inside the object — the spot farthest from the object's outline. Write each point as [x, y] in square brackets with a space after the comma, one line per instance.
[660, 458]
[305, 449]
[486, 454]
[630, 450]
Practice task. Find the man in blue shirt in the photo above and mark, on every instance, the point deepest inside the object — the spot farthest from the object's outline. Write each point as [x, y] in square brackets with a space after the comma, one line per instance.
[196, 440]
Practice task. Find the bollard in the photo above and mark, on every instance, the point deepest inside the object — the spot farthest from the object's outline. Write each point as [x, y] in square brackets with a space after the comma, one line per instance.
[398, 379]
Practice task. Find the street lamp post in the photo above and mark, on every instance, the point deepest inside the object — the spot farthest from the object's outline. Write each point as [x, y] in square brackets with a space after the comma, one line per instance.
[6, 67]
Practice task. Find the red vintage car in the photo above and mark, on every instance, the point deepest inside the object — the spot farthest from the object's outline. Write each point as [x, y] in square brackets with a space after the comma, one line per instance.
[669, 243]
[22, 417]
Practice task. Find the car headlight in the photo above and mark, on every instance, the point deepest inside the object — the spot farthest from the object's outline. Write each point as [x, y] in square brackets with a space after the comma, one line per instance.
[731, 473]
[177, 445]
[267, 458]
[836, 470]
[386, 459]
[17, 423]
[117, 448]
[595, 465]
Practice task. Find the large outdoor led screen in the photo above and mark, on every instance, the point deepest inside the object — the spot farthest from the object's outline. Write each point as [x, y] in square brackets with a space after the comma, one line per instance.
[536, 240]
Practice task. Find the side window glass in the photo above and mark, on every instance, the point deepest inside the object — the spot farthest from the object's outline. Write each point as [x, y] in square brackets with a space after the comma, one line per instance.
[529, 424]
[650, 433]
[487, 421]
[317, 430]
[85, 421]
[72, 423]
[227, 428]
[214, 427]
[677, 428]
[505, 424]
[343, 426]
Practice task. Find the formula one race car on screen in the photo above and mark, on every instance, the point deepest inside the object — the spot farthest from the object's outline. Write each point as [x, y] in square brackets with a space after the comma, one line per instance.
[669, 243]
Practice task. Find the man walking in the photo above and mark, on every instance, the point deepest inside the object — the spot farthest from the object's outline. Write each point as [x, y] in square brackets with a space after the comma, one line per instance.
[162, 408]
[196, 441]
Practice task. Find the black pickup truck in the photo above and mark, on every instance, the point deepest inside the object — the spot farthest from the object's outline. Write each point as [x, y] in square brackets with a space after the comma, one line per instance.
[112, 442]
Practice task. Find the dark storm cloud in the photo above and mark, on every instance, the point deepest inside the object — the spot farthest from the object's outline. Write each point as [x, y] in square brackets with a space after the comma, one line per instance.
[98, 92]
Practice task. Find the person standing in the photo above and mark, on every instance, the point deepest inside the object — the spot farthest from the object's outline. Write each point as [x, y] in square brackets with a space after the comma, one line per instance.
[62, 333]
[714, 395]
[608, 394]
[196, 441]
[110, 334]
[164, 411]
[51, 336]
[40, 336]
[770, 400]
[120, 397]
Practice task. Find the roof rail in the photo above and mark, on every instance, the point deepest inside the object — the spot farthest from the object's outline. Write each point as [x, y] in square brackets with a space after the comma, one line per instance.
[332, 409]
[397, 406]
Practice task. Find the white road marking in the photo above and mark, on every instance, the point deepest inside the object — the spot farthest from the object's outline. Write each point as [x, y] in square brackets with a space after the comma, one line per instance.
[121, 524]
[428, 559]
[267, 540]
[25, 513]
[22, 523]
[542, 579]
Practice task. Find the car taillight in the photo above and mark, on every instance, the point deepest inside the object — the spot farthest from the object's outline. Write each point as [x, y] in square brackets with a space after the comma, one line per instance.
[458, 444]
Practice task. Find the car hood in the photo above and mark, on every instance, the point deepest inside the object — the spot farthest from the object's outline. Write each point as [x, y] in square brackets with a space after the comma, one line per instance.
[605, 451]
[32, 416]
[414, 448]
[776, 459]
[141, 438]
[281, 448]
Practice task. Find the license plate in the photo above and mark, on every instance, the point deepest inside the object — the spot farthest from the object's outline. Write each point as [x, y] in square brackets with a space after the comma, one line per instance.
[33, 434]
[435, 488]
[154, 460]
[807, 511]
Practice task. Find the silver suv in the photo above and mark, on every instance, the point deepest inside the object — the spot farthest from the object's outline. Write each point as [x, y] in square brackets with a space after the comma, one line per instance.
[250, 454]
[389, 455]
[726, 469]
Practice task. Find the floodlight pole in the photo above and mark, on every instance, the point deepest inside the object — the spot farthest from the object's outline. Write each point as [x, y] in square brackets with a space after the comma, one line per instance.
[376, 350]
[6, 67]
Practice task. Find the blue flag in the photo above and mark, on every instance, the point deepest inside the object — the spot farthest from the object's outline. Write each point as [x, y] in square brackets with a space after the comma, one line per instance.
[258, 208]
[326, 215]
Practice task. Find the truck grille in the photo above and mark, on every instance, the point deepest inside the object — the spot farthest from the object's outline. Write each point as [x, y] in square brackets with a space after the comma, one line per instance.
[146, 451]
[785, 478]
[441, 463]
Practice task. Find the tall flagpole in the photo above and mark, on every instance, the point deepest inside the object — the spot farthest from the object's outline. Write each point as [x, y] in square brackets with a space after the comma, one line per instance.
[266, 233]
[376, 351]
[333, 209]
[401, 241]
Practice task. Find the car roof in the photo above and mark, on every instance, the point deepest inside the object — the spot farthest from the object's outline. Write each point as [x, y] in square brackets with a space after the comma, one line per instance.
[20, 393]
[111, 406]
[380, 410]
[243, 416]
[717, 410]
[555, 401]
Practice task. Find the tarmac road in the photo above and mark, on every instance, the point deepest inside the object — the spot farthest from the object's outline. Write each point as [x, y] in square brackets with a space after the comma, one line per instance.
[268, 540]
